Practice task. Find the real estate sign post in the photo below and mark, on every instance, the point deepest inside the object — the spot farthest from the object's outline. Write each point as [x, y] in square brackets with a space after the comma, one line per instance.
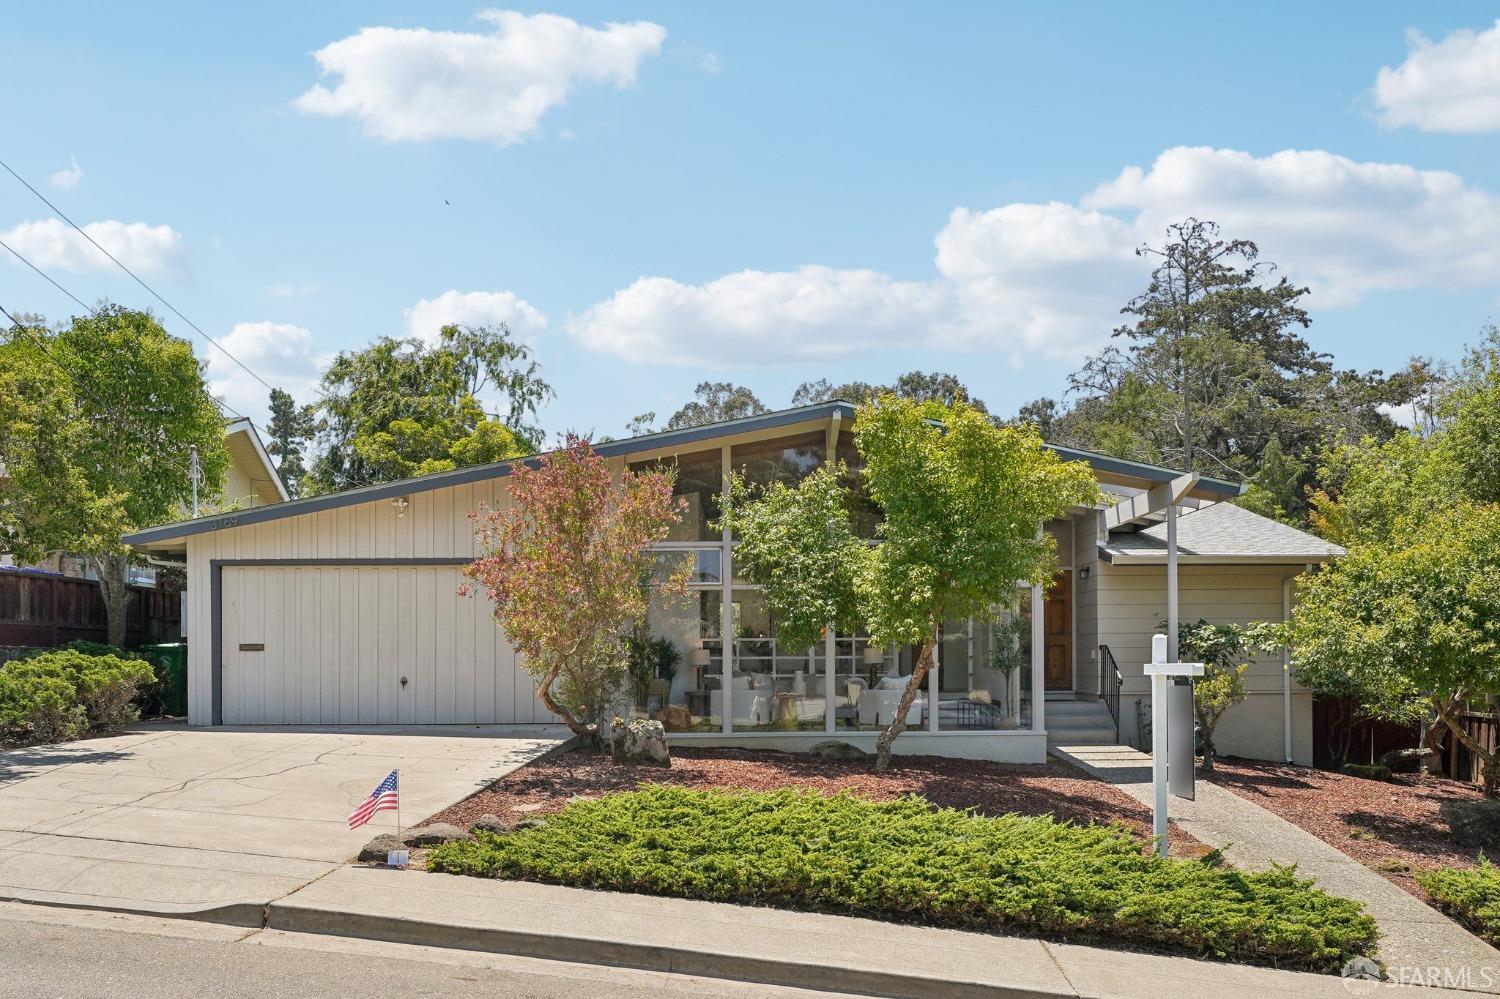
[1162, 674]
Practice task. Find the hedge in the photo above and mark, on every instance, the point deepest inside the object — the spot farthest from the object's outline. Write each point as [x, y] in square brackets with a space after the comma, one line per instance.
[64, 693]
[907, 861]
[1469, 894]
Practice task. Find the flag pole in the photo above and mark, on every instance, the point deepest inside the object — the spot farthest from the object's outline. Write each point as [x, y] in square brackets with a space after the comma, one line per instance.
[399, 843]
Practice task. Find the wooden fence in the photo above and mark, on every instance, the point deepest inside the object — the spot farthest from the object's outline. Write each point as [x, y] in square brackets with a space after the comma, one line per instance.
[1458, 761]
[1372, 738]
[46, 610]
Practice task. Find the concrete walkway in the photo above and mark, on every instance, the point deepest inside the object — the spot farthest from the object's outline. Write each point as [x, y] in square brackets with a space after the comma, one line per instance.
[805, 950]
[216, 822]
[1412, 935]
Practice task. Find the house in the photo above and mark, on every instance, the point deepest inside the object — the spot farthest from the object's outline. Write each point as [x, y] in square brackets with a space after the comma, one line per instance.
[250, 481]
[344, 608]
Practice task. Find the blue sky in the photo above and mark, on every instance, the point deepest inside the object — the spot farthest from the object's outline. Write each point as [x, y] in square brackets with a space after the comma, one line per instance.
[655, 194]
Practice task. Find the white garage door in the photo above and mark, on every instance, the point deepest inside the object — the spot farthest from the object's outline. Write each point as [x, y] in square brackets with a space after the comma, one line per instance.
[365, 645]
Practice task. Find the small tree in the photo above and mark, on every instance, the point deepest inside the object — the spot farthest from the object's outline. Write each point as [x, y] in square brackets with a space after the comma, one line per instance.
[962, 505]
[1416, 620]
[1222, 649]
[566, 565]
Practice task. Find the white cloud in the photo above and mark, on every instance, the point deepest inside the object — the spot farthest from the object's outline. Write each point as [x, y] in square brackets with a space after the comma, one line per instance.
[68, 178]
[413, 83]
[760, 317]
[1342, 227]
[146, 249]
[474, 308]
[1451, 85]
[1028, 280]
[281, 353]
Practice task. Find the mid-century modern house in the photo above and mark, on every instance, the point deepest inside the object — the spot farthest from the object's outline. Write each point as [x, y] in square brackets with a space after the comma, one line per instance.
[344, 609]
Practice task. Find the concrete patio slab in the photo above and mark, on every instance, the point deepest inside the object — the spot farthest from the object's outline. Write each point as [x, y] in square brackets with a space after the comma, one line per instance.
[1414, 938]
[174, 820]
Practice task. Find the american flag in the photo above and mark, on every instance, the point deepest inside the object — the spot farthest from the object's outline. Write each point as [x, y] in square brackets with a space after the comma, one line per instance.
[382, 799]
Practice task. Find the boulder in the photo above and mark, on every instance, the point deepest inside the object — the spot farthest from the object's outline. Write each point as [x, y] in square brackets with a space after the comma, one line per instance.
[639, 743]
[529, 824]
[488, 822]
[1475, 824]
[374, 852]
[1366, 771]
[675, 718]
[435, 833]
[833, 749]
[1409, 761]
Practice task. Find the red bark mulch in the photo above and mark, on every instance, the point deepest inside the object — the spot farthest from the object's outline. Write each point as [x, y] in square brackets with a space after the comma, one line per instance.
[1395, 828]
[1055, 788]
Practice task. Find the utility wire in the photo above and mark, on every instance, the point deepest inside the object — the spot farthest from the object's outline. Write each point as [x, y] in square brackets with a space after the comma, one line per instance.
[95, 312]
[176, 311]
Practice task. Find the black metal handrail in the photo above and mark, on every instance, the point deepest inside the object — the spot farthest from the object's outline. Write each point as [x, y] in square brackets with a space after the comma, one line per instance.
[1110, 682]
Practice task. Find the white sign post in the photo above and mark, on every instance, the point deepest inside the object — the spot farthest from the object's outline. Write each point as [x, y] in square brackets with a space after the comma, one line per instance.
[1162, 673]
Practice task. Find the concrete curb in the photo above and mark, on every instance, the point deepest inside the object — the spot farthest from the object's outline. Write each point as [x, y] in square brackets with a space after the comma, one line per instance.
[827, 976]
[249, 914]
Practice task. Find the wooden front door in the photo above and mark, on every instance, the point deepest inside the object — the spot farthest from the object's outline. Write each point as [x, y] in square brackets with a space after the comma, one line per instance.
[1057, 619]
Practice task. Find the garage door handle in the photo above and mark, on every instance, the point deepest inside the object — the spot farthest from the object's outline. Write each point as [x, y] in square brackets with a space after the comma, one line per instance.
[252, 646]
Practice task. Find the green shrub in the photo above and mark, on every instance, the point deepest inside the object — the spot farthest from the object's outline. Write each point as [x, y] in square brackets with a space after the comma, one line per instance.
[62, 693]
[38, 705]
[909, 862]
[1471, 895]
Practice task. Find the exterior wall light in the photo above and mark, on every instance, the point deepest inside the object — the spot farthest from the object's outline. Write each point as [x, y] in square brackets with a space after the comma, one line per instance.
[400, 503]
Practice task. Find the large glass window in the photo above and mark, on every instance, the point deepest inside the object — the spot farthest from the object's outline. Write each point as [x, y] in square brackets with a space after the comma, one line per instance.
[692, 623]
[788, 460]
[985, 678]
[863, 513]
[699, 480]
[773, 687]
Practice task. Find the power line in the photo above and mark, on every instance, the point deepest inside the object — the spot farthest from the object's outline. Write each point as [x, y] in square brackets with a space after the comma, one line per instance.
[176, 311]
[95, 312]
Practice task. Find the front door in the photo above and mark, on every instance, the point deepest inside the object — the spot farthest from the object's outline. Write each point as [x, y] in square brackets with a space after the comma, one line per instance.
[1057, 617]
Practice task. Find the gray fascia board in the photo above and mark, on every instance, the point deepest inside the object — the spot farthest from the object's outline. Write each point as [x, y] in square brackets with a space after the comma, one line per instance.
[477, 473]
[649, 442]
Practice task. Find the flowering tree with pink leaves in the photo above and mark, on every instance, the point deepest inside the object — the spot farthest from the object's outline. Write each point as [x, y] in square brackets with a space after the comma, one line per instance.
[568, 564]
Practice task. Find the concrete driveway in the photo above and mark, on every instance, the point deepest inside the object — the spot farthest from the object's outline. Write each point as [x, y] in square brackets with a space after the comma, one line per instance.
[174, 820]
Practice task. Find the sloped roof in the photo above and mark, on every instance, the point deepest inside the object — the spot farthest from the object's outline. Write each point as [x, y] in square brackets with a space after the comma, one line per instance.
[1220, 532]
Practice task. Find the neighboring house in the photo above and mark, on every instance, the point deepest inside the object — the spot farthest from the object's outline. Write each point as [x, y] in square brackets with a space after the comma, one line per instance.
[250, 481]
[344, 608]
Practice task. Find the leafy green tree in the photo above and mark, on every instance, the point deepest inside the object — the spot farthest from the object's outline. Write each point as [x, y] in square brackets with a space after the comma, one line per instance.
[822, 390]
[1470, 415]
[715, 402]
[291, 429]
[1375, 490]
[1224, 651]
[407, 407]
[1414, 621]
[96, 436]
[961, 504]
[920, 386]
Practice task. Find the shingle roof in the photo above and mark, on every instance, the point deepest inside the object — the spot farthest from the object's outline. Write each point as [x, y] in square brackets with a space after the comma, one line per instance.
[1225, 531]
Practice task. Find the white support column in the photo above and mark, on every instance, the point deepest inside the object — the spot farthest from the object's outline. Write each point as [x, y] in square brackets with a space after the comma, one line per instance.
[1038, 660]
[1171, 582]
[726, 611]
[933, 684]
[1159, 682]
[830, 698]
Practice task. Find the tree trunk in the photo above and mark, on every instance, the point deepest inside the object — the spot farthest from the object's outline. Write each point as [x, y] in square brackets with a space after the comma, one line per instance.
[1489, 762]
[116, 593]
[589, 733]
[908, 697]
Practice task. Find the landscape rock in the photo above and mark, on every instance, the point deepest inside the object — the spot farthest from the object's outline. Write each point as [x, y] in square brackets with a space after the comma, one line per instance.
[1409, 761]
[436, 833]
[833, 749]
[529, 824]
[1475, 824]
[374, 852]
[675, 718]
[639, 743]
[1366, 771]
[488, 822]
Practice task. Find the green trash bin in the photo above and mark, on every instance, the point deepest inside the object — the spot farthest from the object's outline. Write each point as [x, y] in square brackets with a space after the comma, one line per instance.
[170, 660]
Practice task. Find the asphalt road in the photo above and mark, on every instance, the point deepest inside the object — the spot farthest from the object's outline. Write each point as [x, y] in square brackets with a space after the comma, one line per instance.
[64, 953]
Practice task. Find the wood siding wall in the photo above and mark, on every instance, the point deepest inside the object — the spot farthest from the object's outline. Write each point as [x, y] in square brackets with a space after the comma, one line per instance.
[1131, 603]
[435, 525]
